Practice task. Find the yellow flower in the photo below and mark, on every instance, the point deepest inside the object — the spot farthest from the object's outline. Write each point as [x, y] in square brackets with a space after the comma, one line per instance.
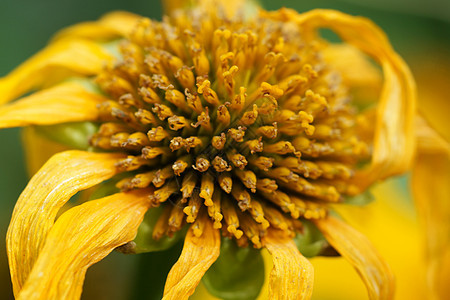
[228, 124]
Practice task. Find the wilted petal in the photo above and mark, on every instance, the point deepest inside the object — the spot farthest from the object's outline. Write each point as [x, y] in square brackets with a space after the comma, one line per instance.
[431, 190]
[81, 237]
[59, 179]
[229, 8]
[67, 102]
[356, 70]
[47, 148]
[361, 254]
[292, 276]
[394, 136]
[199, 253]
[110, 26]
[54, 63]
[428, 140]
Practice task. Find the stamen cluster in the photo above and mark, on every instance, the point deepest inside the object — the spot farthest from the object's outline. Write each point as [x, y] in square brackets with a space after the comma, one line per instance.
[236, 120]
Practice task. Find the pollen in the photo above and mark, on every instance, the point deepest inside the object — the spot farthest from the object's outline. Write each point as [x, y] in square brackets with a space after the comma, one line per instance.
[237, 120]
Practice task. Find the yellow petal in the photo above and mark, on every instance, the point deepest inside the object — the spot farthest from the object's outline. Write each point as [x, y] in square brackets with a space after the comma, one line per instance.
[172, 5]
[199, 253]
[81, 237]
[59, 179]
[394, 136]
[67, 102]
[292, 276]
[229, 8]
[54, 63]
[391, 225]
[110, 26]
[431, 190]
[47, 148]
[356, 70]
[429, 141]
[361, 254]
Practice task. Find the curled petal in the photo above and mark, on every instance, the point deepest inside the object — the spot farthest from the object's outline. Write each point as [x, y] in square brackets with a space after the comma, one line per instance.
[199, 253]
[394, 136]
[355, 68]
[110, 26]
[67, 102]
[121, 21]
[292, 276]
[57, 58]
[428, 140]
[361, 254]
[172, 5]
[431, 191]
[228, 7]
[59, 179]
[81, 237]
[47, 148]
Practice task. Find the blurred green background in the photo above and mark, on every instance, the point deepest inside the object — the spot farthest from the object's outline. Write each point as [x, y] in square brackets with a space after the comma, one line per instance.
[419, 30]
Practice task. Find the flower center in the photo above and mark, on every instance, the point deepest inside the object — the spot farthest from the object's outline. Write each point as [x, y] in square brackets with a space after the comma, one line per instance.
[239, 121]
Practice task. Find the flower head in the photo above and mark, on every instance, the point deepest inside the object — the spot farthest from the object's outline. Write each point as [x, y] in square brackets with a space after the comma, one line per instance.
[234, 126]
[241, 121]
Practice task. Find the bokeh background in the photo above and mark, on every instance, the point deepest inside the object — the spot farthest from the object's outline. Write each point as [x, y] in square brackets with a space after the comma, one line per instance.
[419, 31]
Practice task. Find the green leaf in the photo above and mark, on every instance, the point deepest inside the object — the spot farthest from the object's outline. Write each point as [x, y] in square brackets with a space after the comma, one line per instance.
[74, 135]
[238, 273]
[144, 240]
[311, 241]
[362, 199]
